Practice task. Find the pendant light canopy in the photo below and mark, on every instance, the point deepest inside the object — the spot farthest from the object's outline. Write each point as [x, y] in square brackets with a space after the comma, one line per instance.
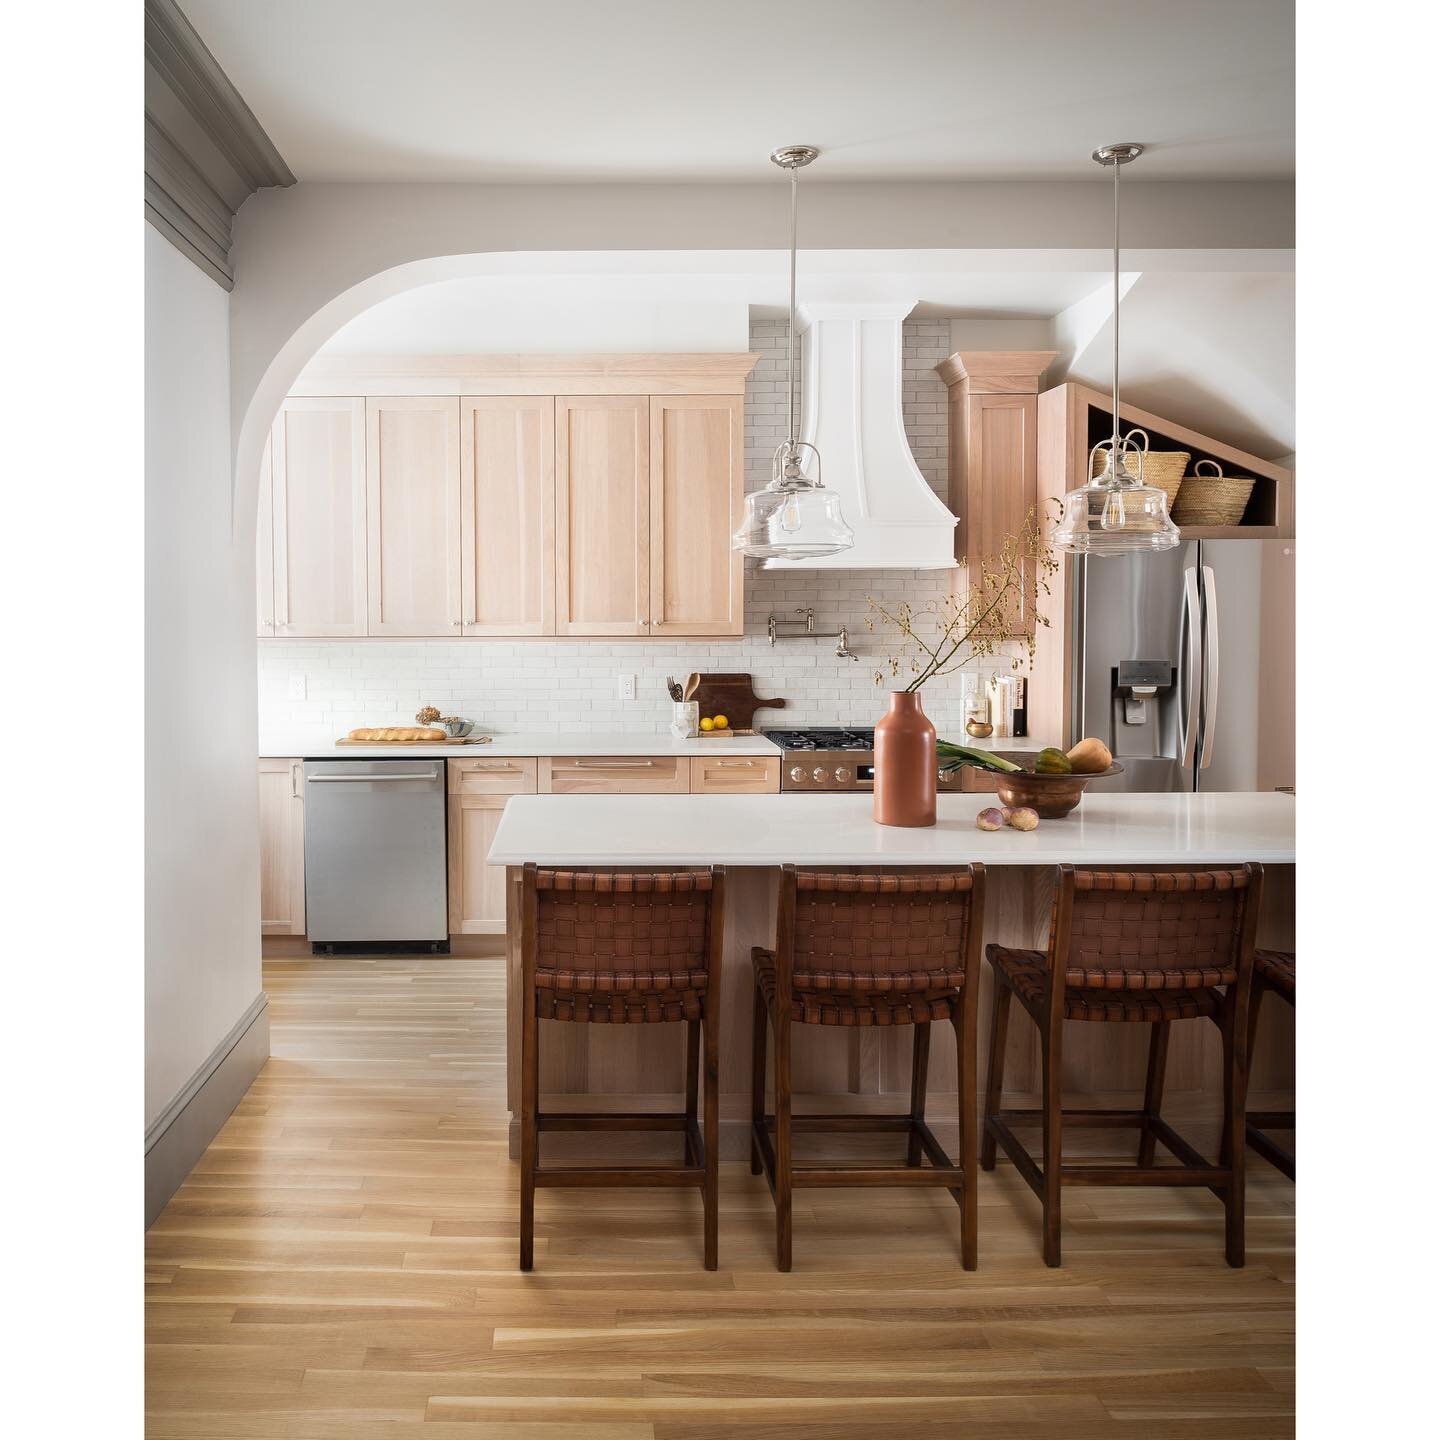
[793, 517]
[1117, 513]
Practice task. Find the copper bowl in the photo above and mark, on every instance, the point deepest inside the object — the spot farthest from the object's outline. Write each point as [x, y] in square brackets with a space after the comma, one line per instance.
[1052, 797]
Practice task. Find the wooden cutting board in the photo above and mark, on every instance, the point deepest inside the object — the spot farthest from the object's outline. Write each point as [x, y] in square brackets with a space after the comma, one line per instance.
[732, 696]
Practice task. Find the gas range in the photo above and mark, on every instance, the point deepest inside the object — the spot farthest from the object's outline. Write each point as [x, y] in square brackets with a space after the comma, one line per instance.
[822, 758]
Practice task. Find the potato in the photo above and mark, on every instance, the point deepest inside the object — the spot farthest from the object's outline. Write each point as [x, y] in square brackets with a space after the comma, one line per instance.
[990, 819]
[1090, 756]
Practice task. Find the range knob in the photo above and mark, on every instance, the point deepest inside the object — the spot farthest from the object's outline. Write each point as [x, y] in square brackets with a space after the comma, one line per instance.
[820, 773]
[842, 774]
[797, 773]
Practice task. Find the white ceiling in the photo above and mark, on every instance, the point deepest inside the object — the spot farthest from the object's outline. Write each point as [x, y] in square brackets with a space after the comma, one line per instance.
[575, 90]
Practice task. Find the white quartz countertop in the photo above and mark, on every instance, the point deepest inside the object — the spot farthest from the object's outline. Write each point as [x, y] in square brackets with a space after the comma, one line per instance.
[291, 747]
[766, 830]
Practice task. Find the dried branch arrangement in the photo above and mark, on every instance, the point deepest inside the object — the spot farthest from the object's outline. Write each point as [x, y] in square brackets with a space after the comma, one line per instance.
[944, 635]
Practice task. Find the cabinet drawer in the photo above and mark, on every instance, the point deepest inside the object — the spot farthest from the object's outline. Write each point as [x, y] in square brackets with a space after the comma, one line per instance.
[735, 775]
[614, 775]
[502, 775]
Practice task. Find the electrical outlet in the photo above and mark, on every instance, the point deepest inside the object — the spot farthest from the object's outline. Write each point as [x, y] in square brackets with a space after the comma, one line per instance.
[626, 687]
[297, 687]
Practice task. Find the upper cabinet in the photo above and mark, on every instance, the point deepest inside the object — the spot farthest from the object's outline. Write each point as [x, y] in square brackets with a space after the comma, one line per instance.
[993, 446]
[697, 484]
[521, 496]
[317, 481]
[602, 514]
[412, 473]
[507, 514]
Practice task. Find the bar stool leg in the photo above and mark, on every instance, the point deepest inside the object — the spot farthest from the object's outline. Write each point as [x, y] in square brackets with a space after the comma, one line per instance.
[529, 1127]
[782, 1142]
[692, 1085]
[995, 1081]
[1050, 1067]
[712, 1133]
[919, 1070]
[969, 1198]
[1233, 1143]
[757, 1078]
[1154, 1089]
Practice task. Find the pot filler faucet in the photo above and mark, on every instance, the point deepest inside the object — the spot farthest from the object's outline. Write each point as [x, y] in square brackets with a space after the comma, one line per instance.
[807, 617]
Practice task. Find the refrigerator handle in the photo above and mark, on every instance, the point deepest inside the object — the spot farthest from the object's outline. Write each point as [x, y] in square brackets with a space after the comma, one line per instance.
[1190, 663]
[1212, 667]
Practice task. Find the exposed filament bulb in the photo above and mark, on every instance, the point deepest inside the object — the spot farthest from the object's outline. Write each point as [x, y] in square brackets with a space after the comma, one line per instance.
[1113, 516]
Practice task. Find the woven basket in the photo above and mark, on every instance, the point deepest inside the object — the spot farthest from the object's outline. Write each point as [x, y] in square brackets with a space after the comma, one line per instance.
[1164, 469]
[1217, 499]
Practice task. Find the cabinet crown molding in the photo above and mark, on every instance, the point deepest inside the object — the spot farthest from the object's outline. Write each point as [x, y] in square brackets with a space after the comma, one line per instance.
[1008, 372]
[703, 373]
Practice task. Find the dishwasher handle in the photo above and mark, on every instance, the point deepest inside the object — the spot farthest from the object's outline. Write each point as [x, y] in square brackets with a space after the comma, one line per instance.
[365, 779]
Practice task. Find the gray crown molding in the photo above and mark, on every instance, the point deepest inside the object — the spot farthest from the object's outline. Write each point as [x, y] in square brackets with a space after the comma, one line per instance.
[205, 152]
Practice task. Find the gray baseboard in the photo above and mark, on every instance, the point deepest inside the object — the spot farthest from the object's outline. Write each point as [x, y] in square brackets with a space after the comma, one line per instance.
[179, 1135]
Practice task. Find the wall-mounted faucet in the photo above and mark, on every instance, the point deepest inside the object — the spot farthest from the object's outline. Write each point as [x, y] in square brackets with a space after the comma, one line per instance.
[842, 650]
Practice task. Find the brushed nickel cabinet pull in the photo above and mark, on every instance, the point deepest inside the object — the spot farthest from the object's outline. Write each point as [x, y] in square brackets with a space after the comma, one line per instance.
[608, 765]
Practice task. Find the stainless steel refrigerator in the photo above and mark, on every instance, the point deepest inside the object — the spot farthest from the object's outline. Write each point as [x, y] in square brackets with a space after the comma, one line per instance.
[1184, 664]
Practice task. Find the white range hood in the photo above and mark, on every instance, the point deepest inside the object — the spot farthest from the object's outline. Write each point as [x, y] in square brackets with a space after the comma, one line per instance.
[851, 410]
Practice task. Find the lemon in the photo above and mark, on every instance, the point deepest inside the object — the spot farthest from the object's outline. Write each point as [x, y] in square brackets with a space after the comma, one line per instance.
[721, 723]
[707, 723]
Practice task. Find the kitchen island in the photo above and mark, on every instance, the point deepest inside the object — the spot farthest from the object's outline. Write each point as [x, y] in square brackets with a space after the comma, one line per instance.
[754, 836]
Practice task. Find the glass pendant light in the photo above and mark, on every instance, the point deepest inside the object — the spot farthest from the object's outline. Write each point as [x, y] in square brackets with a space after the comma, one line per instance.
[793, 517]
[1117, 513]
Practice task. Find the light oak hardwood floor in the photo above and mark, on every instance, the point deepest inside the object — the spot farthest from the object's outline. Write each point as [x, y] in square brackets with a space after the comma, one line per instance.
[342, 1266]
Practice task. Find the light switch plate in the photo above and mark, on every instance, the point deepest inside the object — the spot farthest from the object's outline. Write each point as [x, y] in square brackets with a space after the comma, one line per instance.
[296, 690]
[626, 687]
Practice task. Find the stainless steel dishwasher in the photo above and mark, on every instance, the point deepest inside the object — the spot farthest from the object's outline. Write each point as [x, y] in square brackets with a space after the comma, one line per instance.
[375, 853]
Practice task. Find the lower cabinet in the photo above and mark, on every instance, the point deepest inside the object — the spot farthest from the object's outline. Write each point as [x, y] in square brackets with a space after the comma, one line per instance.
[615, 775]
[477, 794]
[282, 848]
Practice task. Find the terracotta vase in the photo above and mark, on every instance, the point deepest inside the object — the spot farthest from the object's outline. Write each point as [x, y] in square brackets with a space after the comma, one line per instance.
[905, 765]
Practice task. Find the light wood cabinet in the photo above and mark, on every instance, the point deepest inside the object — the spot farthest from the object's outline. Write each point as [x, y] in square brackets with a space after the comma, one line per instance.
[317, 451]
[412, 471]
[735, 775]
[477, 793]
[993, 411]
[602, 520]
[697, 472]
[603, 509]
[614, 775]
[264, 550]
[507, 514]
[282, 848]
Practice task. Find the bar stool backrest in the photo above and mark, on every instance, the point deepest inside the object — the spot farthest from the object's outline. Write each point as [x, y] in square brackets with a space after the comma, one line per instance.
[1154, 930]
[882, 932]
[592, 923]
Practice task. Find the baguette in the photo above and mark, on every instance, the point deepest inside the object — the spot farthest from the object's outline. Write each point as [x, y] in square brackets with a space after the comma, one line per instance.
[411, 733]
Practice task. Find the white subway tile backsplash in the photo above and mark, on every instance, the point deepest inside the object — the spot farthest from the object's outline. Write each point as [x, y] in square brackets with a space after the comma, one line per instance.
[569, 685]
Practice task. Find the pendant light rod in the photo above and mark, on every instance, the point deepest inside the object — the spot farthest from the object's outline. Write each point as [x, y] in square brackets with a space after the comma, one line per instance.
[792, 158]
[1115, 156]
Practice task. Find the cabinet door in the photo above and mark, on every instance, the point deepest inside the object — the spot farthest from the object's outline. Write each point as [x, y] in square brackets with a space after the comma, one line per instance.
[697, 462]
[318, 472]
[507, 514]
[412, 472]
[998, 433]
[477, 889]
[282, 848]
[602, 502]
[264, 550]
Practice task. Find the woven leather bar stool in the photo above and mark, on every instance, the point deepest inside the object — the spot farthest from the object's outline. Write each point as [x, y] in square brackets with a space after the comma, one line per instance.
[1274, 975]
[1133, 947]
[622, 948]
[870, 950]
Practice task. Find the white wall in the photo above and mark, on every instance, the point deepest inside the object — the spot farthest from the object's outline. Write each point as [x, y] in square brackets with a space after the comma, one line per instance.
[550, 685]
[202, 880]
